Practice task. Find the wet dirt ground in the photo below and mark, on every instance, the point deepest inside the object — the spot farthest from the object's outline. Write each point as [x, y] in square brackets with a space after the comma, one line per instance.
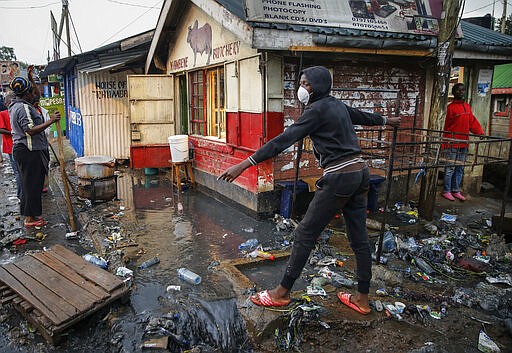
[194, 231]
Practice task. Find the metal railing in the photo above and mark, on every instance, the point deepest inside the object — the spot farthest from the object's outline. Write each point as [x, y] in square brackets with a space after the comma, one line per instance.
[402, 151]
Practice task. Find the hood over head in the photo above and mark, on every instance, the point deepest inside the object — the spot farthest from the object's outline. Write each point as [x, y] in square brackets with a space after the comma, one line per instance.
[320, 80]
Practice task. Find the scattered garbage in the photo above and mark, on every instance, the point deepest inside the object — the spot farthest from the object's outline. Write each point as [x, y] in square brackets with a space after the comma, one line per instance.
[262, 254]
[124, 272]
[156, 343]
[248, 245]
[423, 265]
[392, 311]
[172, 288]
[189, 276]
[72, 235]
[449, 218]
[149, 263]
[98, 261]
[486, 344]
[400, 307]
[388, 242]
[316, 290]
[212, 265]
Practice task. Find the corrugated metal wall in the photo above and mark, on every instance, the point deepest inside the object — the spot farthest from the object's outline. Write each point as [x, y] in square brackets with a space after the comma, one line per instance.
[369, 86]
[103, 101]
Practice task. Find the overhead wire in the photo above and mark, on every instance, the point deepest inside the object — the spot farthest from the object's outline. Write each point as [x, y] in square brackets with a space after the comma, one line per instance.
[122, 29]
[480, 8]
[28, 7]
[76, 34]
[129, 4]
[47, 39]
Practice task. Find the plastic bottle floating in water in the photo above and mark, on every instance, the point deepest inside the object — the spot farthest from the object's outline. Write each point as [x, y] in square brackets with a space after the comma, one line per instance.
[149, 262]
[96, 261]
[189, 276]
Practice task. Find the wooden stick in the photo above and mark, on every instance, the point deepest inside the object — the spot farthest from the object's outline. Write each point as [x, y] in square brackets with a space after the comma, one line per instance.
[64, 177]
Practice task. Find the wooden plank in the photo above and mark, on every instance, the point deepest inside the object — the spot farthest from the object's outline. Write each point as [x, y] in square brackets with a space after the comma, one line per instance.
[49, 299]
[56, 316]
[118, 293]
[8, 299]
[92, 272]
[26, 306]
[53, 281]
[71, 275]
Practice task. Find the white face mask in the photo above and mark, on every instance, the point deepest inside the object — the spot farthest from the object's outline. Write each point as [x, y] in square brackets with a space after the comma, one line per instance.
[303, 95]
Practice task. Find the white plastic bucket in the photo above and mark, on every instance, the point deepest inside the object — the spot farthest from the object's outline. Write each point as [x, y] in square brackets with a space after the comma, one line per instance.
[179, 148]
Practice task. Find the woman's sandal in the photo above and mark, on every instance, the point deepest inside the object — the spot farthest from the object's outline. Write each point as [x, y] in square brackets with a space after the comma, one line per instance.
[38, 223]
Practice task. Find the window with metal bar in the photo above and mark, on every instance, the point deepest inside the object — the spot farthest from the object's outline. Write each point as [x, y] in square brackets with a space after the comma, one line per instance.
[207, 103]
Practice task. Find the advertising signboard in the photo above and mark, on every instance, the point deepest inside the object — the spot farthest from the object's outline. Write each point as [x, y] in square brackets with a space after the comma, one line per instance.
[402, 16]
[8, 71]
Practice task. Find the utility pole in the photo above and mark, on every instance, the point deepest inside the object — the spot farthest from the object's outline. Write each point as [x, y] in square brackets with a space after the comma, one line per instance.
[504, 17]
[57, 33]
[444, 54]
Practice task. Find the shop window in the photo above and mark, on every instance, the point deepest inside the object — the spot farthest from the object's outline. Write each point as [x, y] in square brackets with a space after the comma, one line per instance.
[501, 105]
[207, 103]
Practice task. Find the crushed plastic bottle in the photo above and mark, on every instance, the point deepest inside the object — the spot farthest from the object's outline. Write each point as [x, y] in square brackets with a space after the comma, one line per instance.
[149, 262]
[249, 245]
[96, 261]
[189, 276]
[388, 242]
[486, 344]
[423, 266]
[262, 254]
[340, 281]
[172, 288]
[383, 259]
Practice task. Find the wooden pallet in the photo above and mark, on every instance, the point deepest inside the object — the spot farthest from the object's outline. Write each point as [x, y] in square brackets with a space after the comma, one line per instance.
[56, 289]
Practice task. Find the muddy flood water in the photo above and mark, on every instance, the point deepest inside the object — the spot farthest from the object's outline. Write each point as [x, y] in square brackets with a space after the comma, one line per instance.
[196, 232]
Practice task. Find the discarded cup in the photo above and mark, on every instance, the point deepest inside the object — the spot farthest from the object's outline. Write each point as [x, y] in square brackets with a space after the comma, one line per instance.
[189, 276]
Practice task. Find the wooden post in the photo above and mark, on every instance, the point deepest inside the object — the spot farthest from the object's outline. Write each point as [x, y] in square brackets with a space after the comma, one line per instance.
[444, 54]
[503, 26]
[64, 177]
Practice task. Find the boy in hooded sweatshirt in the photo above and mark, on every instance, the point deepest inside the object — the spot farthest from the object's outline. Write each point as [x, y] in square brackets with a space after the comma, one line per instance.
[344, 184]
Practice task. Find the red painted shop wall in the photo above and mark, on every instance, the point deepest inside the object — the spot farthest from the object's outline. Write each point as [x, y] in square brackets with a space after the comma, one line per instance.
[401, 82]
[244, 136]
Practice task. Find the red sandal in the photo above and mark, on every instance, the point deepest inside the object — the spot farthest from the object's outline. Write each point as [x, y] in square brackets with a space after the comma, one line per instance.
[38, 223]
[345, 299]
[264, 299]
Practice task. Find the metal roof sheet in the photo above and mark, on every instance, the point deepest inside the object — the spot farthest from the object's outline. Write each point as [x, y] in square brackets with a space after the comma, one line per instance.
[112, 60]
[484, 36]
[502, 77]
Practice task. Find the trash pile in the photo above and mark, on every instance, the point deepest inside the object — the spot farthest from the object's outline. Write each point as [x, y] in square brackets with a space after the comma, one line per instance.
[472, 265]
